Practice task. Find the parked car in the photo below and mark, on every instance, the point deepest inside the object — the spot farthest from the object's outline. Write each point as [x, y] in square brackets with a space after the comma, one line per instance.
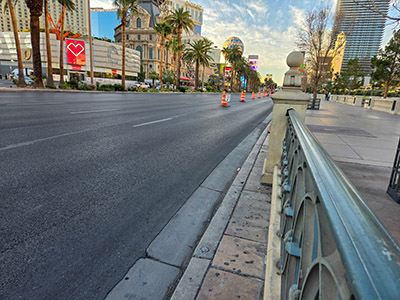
[28, 80]
[144, 85]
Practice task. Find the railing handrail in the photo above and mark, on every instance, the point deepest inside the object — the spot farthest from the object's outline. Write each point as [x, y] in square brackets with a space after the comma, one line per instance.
[370, 255]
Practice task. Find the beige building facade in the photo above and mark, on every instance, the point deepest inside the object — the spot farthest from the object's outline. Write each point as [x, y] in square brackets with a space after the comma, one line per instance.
[107, 63]
[76, 21]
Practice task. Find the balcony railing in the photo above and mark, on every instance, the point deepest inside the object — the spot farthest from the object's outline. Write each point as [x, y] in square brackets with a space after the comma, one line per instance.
[333, 246]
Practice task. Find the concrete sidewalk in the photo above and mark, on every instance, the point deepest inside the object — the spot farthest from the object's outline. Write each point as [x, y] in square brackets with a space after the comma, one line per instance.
[363, 143]
[229, 261]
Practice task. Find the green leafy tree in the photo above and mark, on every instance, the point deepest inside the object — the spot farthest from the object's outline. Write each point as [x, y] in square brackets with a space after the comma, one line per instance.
[387, 64]
[163, 30]
[125, 8]
[180, 20]
[70, 5]
[153, 75]
[36, 10]
[350, 79]
[8, 4]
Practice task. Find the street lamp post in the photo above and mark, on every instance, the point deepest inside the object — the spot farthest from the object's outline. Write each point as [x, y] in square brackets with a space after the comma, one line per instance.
[90, 46]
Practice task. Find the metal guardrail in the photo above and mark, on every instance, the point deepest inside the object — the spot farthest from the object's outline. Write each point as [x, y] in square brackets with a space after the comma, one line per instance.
[333, 246]
[394, 183]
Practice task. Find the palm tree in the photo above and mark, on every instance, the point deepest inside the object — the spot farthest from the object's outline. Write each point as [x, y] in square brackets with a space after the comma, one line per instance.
[206, 58]
[180, 20]
[153, 75]
[194, 54]
[70, 5]
[21, 77]
[169, 75]
[163, 30]
[125, 8]
[232, 55]
[167, 46]
[176, 49]
[36, 10]
[50, 80]
[214, 81]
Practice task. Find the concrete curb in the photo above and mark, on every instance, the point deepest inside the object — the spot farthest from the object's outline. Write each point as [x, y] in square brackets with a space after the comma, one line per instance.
[272, 285]
[15, 89]
[192, 279]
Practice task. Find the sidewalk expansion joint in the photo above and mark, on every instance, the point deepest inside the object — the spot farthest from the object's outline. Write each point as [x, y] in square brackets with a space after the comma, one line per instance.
[235, 272]
[242, 238]
[163, 262]
[214, 190]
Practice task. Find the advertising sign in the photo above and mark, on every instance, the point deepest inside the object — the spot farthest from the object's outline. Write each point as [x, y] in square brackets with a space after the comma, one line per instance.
[75, 52]
[253, 61]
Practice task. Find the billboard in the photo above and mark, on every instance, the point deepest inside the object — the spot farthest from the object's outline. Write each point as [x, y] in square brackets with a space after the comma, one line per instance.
[75, 52]
[253, 61]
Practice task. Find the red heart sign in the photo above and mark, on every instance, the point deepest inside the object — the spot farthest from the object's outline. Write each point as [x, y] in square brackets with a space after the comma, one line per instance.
[75, 52]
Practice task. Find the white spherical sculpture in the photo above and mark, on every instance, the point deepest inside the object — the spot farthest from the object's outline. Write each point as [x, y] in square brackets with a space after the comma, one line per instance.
[295, 59]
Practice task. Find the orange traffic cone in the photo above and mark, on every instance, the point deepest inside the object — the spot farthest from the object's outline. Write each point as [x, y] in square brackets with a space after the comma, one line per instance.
[264, 95]
[259, 95]
[243, 97]
[253, 96]
[223, 100]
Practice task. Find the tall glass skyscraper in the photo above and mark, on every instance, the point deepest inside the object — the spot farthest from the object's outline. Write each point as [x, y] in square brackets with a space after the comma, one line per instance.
[364, 30]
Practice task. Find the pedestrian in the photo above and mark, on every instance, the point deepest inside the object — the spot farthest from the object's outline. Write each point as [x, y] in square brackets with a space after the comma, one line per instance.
[329, 96]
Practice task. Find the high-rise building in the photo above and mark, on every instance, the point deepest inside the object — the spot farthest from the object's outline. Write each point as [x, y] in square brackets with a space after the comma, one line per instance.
[103, 22]
[363, 28]
[76, 21]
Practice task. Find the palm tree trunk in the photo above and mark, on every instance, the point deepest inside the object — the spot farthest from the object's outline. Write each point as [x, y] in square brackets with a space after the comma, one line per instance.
[21, 77]
[178, 73]
[233, 75]
[50, 80]
[123, 46]
[162, 61]
[196, 75]
[35, 41]
[175, 54]
[202, 78]
[62, 45]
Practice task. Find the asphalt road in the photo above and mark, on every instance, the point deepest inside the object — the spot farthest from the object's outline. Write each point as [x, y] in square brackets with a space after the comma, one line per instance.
[88, 180]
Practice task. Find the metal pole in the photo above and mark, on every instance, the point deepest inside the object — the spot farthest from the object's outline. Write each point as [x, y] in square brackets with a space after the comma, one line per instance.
[90, 46]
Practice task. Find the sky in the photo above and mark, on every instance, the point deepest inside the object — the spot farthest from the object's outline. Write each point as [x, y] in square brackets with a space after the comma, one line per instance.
[266, 27]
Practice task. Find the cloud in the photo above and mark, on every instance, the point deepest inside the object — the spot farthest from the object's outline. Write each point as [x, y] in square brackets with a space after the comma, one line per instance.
[270, 43]
[102, 3]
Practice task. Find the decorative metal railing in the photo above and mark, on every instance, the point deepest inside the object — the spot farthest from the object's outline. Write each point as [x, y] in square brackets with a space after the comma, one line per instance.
[394, 183]
[333, 246]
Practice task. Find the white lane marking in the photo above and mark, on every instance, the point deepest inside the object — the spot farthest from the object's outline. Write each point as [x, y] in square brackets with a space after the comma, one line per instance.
[41, 140]
[90, 111]
[152, 122]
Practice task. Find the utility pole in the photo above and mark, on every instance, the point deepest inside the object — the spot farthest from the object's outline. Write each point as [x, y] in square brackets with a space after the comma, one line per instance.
[90, 46]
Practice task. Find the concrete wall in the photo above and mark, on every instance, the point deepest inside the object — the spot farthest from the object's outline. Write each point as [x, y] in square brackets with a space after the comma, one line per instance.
[388, 105]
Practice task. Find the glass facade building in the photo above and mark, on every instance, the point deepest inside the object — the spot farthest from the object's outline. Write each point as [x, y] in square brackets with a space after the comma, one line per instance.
[103, 22]
[363, 28]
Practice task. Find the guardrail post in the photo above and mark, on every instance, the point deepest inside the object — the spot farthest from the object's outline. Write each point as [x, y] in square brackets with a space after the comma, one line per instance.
[290, 97]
